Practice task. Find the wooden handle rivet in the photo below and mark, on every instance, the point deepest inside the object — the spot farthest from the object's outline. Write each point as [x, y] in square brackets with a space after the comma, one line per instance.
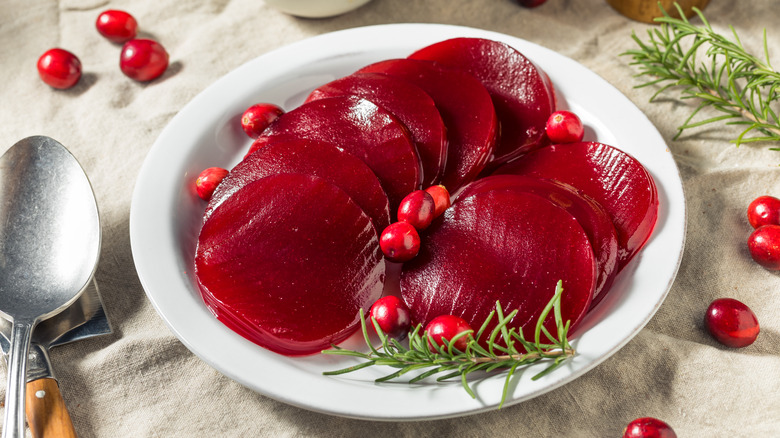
[40, 394]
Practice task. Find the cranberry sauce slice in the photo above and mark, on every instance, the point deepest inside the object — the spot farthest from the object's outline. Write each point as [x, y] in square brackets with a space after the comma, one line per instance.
[288, 261]
[410, 104]
[594, 220]
[311, 157]
[616, 180]
[519, 90]
[361, 128]
[501, 245]
[465, 107]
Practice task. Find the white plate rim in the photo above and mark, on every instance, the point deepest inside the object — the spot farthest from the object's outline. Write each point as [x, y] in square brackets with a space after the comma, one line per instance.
[162, 190]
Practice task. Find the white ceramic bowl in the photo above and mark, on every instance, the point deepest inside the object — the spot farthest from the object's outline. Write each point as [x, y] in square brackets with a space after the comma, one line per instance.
[316, 8]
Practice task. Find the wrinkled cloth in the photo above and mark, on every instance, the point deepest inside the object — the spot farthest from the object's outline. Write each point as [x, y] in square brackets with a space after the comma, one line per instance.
[141, 381]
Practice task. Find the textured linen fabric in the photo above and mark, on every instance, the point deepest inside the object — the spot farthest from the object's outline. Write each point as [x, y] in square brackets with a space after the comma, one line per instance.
[142, 382]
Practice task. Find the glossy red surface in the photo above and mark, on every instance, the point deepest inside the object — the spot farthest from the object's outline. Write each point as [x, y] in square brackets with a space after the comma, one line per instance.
[257, 117]
[361, 128]
[208, 180]
[731, 323]
[143, 60]
[594, 220]
[506, 246]
[520, 95]
[116, 26]
[441, 199]
[400, 242]
[59, 68]
[278, 264]
[764, 210]
[464, 105]
[392, 315]
[616, 180]
[648, 427]
[764, 246]
[410, 104]
[417, 209]
[310, 157]
[564, 127]
[447, 327]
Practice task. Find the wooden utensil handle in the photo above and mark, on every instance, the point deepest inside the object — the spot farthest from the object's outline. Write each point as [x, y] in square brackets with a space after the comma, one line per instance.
[47, 415]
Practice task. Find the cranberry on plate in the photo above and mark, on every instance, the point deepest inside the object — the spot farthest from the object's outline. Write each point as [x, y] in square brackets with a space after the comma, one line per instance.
[208, 180]
[116, 26]
[564, 127]
[143, 60]
[447, 327]
[59, 68]
[392, 315]
[400, 242]
[418, 209]
[257, 117]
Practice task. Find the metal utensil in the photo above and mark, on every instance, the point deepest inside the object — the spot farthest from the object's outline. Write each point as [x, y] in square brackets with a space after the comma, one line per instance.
[49, 247]
[47, 414]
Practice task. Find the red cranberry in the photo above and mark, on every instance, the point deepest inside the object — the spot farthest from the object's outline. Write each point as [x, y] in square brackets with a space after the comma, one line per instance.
[417, 208]
[59, 68]
[764, 210]
[732, 323]
[564, 127]
[441, 199]
[648, 427]
[143, 60]
[400, 242]
[530, 3]
[208, 180]
[447, 327]
[392, 315]
[117, 26]
[257, 117]
[764, 246]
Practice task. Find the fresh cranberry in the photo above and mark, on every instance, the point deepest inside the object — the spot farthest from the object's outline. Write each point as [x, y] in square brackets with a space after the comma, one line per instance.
[530, 3]
[564, 127]
[417, 209]
[117, 26]
[59, 68]
[400, 242]
[441, 199]
[392, 315]
[648, 427]
[764, 246]
[447, 327]
[143, 60]
[208, 180]
[732, 323]
[257, 117]
[764, 210]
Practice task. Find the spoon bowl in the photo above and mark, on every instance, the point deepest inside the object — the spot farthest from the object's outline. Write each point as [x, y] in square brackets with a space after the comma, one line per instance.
[49, 247]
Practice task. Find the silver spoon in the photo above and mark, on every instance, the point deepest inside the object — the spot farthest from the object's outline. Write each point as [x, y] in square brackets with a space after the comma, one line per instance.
[49, 247]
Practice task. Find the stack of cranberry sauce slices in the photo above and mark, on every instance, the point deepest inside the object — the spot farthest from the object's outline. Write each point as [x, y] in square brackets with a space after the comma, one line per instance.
[289, 250]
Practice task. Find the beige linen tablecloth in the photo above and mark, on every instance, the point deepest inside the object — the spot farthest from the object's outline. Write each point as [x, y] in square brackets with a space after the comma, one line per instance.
[142, 382]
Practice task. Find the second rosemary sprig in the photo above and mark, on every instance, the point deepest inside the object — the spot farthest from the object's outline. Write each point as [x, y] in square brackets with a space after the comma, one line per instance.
[741, 86]
[502, 348]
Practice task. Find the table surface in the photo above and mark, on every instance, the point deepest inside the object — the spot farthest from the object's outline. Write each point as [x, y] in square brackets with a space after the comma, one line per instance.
[141, 381]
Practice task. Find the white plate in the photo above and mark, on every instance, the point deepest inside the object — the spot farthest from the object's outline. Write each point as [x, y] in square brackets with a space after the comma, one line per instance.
[165, 221]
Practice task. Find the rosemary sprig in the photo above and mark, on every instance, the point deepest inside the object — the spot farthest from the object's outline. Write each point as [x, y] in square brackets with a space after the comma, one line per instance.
[731, 80]
[507, 349]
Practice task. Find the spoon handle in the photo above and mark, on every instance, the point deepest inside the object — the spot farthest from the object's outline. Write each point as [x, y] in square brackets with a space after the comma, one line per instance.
[13, 424]
[47, 414]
